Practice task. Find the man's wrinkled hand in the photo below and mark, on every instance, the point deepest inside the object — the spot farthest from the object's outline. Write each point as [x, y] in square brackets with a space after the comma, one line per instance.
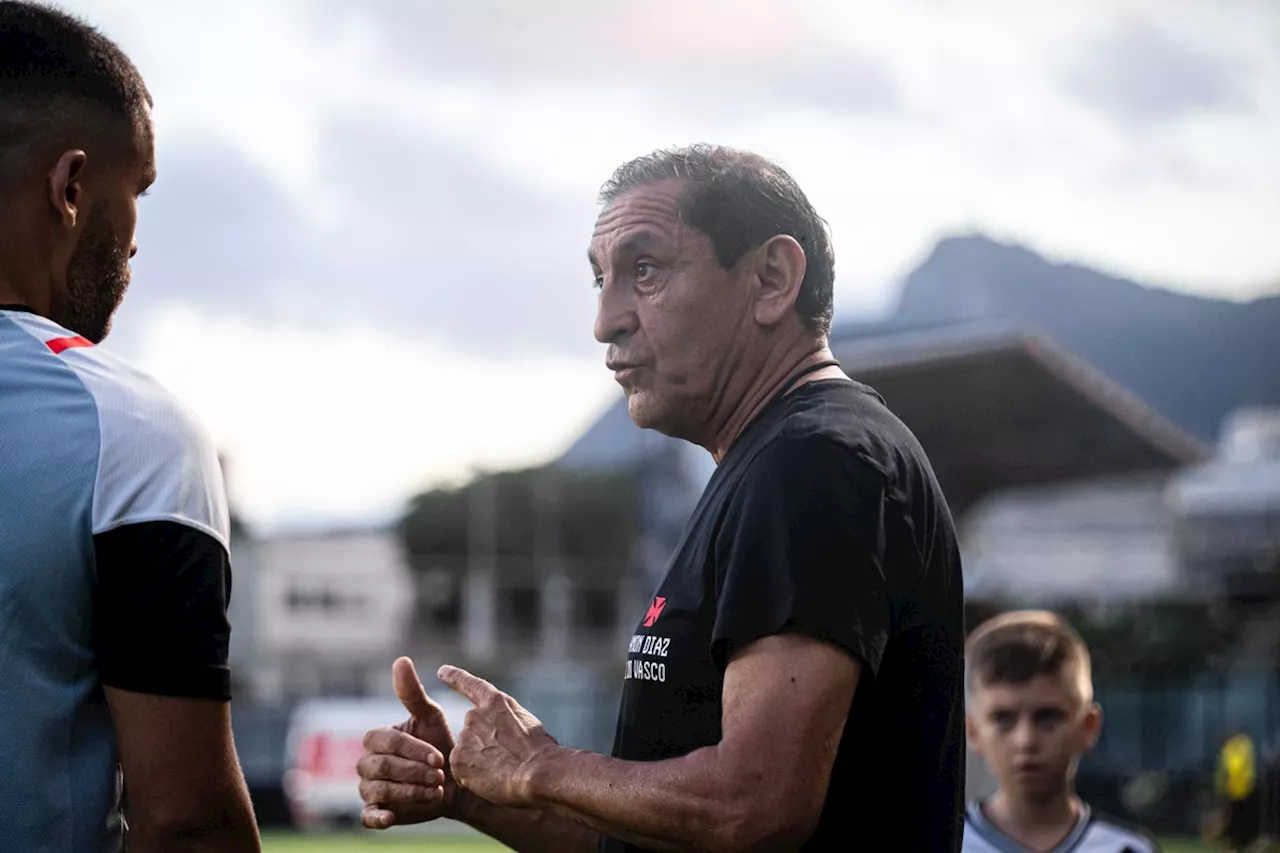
[497, 750]
[404, 773]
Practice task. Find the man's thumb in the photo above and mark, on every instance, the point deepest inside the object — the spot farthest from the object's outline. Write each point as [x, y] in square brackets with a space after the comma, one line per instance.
[410, 690]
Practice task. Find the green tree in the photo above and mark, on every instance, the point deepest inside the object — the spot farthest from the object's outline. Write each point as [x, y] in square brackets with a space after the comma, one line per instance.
[583, 515]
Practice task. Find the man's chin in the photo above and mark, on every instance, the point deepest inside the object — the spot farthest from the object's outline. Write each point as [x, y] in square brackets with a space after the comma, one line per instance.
[100, 328]
[644, 411]
[636, 408]
[649, 413]
[93, 326]
[1036, 789]
[95, 333]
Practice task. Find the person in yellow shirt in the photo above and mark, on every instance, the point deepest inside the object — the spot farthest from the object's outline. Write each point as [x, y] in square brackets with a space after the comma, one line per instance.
[1236, 824]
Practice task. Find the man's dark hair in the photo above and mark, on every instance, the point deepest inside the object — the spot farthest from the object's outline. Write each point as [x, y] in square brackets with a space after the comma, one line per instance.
[52, 67]
[1014, 648]
[740, 200]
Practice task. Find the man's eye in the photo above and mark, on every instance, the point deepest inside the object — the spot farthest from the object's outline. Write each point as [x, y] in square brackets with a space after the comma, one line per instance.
[1049, 719]
[598, 282]
[644, 269]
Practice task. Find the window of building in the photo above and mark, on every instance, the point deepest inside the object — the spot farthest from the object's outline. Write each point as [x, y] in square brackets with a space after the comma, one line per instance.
[440, 598]
[325, 601]
[520, 610]
[595, 610]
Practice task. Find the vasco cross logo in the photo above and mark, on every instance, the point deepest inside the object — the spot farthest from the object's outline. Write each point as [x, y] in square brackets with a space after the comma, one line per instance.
[654, 611]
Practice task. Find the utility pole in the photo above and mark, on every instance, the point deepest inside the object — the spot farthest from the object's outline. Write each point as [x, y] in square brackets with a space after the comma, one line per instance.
[556, 616]
[479, 635]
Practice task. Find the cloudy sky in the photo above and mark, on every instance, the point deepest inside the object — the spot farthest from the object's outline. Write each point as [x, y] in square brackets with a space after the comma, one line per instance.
[363, 263]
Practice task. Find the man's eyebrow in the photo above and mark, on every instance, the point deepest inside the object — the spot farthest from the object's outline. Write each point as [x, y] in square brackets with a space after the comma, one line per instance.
[639, 241]
[631, 244]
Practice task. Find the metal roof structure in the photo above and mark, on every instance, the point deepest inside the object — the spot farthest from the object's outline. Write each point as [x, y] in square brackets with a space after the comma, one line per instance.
[997, 406]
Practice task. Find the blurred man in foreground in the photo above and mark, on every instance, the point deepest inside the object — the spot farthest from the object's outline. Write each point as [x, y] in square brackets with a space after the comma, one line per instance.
[114, 575]
[795, 683]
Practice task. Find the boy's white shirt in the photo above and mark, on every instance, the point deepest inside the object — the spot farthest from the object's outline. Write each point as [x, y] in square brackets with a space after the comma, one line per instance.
[1091, 834]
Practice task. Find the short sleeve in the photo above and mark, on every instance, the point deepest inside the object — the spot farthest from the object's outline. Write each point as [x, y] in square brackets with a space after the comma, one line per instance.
[157, 461]
[801, 550]
[161, 534]
[160, 610]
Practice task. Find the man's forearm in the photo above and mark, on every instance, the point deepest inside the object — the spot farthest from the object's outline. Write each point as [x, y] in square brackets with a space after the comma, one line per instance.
[229, 837]
[680, 804]
[176, 840]
[530, 830]
[229, 829]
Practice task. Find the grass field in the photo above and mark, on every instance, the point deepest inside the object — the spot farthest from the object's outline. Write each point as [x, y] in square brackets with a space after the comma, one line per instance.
[360, 842]
[357, 842]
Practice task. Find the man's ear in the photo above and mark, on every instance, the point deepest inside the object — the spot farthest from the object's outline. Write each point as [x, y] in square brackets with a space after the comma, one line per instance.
[66, 187]
[971, 735]
[780, 265]
[1092, 725]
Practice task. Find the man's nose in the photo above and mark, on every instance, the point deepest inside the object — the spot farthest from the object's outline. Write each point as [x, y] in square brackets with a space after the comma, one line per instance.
[1025, 737]
[615, 316]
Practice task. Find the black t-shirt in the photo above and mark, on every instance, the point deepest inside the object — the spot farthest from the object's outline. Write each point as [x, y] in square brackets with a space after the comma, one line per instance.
[824, 518]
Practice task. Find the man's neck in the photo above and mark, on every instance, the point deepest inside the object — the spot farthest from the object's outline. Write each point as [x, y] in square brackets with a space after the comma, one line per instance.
[24, 272]
[1036, 824]
[769, 382]
[12, 289]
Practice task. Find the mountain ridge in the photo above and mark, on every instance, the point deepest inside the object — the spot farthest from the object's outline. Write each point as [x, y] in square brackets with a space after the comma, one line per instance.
[1193, 358]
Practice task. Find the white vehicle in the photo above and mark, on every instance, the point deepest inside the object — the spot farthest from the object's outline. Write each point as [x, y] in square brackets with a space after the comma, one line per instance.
[324, 743]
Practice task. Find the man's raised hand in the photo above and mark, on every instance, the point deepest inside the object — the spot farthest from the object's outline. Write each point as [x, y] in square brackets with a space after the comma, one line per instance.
[496, 750]
[404, 773]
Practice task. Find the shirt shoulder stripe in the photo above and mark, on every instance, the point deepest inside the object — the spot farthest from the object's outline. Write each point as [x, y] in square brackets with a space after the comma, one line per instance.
[60, 345]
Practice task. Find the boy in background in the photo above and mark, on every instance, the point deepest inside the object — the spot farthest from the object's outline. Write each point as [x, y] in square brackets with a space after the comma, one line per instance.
[1030, 716]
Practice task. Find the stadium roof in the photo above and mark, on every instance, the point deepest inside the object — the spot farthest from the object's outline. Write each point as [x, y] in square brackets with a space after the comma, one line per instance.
[997, 406]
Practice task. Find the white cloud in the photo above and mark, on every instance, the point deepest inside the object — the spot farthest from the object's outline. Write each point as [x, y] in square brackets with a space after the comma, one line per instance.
[348, 424]
[986, 136]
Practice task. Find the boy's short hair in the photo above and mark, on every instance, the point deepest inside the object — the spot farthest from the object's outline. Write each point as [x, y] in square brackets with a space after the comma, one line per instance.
[1014, 648]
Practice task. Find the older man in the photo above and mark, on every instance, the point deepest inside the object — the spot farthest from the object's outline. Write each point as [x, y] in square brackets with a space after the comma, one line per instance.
[795, 682]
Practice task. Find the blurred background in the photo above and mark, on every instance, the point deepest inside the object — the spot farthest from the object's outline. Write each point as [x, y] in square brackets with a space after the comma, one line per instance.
[1057, 229]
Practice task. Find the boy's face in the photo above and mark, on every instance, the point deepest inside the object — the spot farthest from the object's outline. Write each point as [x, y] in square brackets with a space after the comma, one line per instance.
[1032, 735]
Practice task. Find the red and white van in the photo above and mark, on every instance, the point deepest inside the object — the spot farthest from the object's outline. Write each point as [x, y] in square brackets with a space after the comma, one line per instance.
[324, 743]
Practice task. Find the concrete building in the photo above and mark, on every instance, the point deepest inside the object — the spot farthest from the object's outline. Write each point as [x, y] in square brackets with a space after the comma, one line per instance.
[1228, 509]
[1100, 542]
[1211, 530]
[318, 615]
